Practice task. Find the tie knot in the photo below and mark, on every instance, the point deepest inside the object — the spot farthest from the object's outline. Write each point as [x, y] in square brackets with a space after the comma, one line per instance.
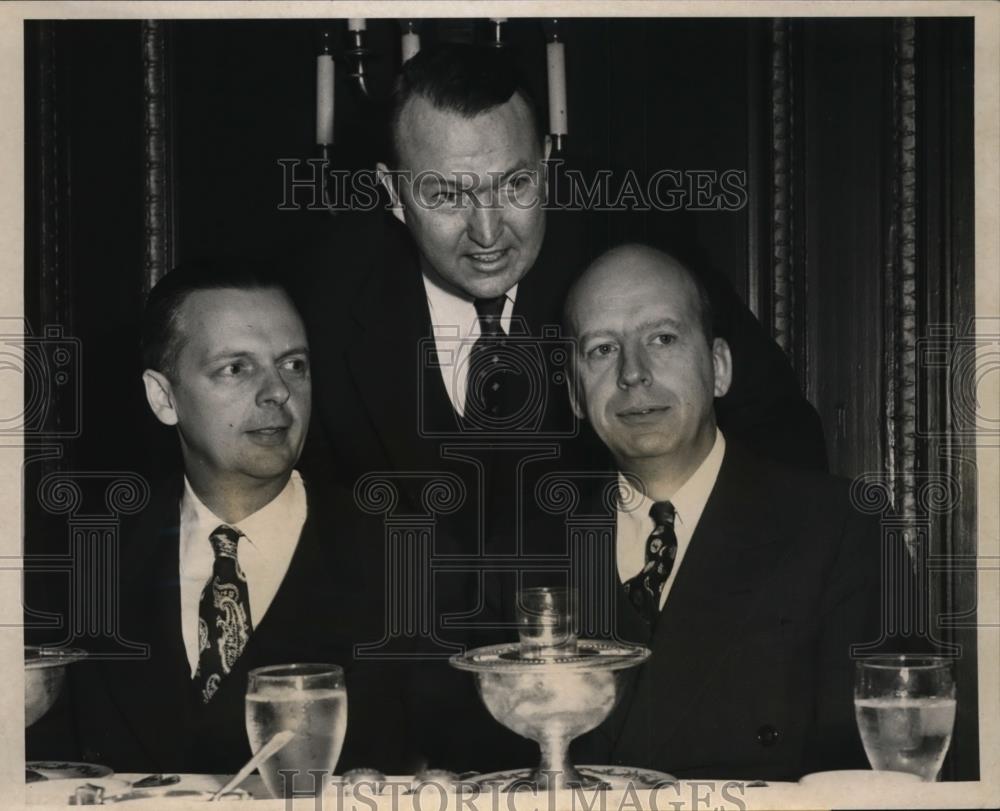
[662, 513]
[224, 540]
[489, 311]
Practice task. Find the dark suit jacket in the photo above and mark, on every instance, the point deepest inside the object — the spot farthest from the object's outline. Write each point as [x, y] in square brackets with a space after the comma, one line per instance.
[751, 672]
[143, 716]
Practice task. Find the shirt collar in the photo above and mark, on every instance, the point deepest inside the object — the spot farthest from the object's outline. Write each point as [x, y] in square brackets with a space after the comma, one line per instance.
[256, 528]
[690, 499]
[450, 309]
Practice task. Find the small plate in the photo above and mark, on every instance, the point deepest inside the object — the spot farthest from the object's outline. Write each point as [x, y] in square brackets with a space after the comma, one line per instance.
[156, 797]
[61, 792]
[68, 770]
[616, 777]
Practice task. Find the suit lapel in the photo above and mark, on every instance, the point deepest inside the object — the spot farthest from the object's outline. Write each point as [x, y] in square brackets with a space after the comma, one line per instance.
[721, 576]
[291, 616]
[538, 313]
[392, 359]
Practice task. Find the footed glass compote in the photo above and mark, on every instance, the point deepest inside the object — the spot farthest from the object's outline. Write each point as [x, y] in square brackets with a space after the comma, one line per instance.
[552, 698]
[551, 687]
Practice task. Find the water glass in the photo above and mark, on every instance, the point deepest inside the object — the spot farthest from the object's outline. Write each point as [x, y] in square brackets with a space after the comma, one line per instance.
[546, 621]
[905, 710]
[310, 699]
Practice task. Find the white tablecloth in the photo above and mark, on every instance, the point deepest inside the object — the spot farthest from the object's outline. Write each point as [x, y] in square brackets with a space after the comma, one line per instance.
[854, 790]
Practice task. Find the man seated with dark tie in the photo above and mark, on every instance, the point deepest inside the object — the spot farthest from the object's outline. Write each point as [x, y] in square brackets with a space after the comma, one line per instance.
[748, 580]
[237, 563]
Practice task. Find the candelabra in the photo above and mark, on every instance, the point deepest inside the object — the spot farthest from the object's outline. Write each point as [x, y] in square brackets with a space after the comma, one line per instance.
[357, 55]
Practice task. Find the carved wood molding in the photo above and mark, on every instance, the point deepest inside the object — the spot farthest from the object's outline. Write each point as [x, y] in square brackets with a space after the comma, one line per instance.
[52, 188]
[781, 185]
[784, 287]
[158, 177]
[901, 281]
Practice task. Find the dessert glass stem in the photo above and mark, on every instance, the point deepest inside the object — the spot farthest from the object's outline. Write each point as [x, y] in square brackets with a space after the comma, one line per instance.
[555, 771]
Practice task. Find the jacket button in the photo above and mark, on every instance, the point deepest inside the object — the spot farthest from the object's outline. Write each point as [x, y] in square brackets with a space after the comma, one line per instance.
[767, 735]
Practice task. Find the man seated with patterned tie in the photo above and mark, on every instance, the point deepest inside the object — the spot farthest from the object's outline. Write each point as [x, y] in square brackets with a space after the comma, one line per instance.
[238, 563]
[748, 580]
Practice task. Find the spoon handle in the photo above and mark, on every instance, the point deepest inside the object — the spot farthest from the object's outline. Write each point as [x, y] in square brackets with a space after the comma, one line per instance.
[268, 749]
[156, 781]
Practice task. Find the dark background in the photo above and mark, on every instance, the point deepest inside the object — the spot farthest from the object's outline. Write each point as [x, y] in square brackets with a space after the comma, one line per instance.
[643, 94]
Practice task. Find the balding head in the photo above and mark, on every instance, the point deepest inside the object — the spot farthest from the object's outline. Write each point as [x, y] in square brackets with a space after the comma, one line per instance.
[647, 366]
[466, 80]
[627, 265]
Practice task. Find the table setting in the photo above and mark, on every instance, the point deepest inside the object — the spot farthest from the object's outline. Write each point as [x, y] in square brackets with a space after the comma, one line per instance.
[549, 687]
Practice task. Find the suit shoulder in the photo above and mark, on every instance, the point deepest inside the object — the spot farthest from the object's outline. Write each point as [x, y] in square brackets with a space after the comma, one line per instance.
[344, 253]
[347, 540]
[159, 515]
[337, 508]
[793, 487]
[327, 496]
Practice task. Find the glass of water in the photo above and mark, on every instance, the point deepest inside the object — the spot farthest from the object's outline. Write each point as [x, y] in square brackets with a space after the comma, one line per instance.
[310, 699]
[905, 709]
[546, 621]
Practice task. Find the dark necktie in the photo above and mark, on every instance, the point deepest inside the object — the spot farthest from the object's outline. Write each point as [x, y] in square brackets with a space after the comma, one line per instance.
[224, 623]
[644, 589]
[485, 384]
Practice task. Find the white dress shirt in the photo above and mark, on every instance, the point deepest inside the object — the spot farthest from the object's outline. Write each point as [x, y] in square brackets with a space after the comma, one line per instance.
[634, 523]
[271, 536]
[456, 327]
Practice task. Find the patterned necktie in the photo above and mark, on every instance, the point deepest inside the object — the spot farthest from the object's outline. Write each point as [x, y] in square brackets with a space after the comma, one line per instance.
[644, 589]
[224, 623]
[485, 389]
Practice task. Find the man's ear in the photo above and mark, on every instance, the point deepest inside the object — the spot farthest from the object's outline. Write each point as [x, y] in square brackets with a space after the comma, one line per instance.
[722, 364]
[574, 395]
[547, 149]
[160, 396]
[391, 183]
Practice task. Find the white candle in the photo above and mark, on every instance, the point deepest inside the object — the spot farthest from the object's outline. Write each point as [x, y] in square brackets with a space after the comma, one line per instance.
[556, 60]
[498, 30]
[354, 24]
[411, 44]
[324, 99]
